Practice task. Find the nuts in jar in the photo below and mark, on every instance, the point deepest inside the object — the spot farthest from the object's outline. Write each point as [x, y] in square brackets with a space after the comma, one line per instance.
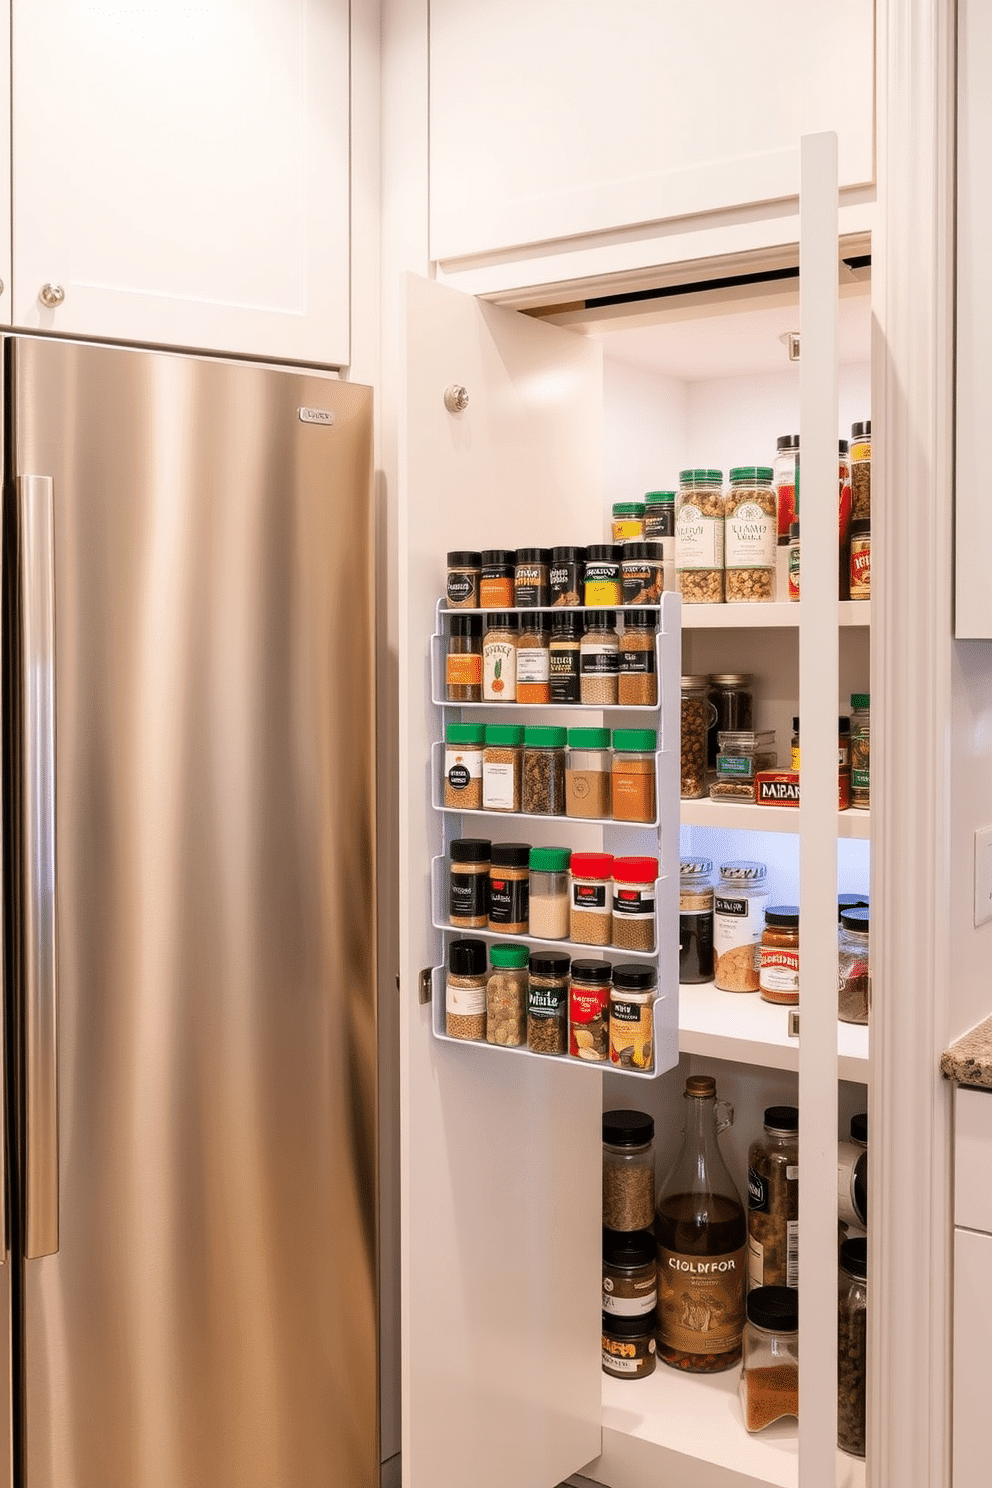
[697, 710]
[699, 536]
[506, 996]
[751, 535]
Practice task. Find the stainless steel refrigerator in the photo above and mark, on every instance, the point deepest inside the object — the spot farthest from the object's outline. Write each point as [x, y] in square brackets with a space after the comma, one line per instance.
[189, 922]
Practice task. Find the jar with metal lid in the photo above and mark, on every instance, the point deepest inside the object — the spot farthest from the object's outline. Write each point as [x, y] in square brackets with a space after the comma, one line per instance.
[462, 589]
[861, 471]
[499, 658]
[591, 913]
[852, 1176]
[861, 750]
[861, 559]
[851, 901]
[659, 517]
[465, 990]
[496, 578]
[463, 660]
[547, 1003]
[695, 920]
[564, 656]
[778, 956]
[549, 892]
[502, 767]
[642, 571]
[506, 996]
[852, 1347]
[534, 659]
[742, 754]
[635, 987]
[634, 903]
[589, 1011]
[786, 449]
[844, 507]
[699, 536]
[697, 715]
[509, 887]
[732, 696]
[468, 883]
[543, 791]
[638, 682]
[565, 577]
[738, 921]
[628, 1170]
[630, 1273]
[463, 766]
[751, 535]
[599, 660]
[632, 775]
[602, 580]
[587, 773]
[769, 1384]
[531, 581]
[628, 521]
[773, 1201]
[854, 967]
[629, 1347]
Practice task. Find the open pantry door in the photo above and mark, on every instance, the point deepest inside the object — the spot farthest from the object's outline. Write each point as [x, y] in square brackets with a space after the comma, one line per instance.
[501, 1153]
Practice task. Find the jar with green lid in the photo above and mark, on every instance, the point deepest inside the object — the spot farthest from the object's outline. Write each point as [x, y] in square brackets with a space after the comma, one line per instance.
[628, 521]
[506, 996]
[699, 536]
[502, 766]
[587, 773]
[751, 551]
[632, 777]
[543, 792]
[463, 766]
[659, 515]
[861, 750]
[549, 892]
[499, 658]
[547, 1003]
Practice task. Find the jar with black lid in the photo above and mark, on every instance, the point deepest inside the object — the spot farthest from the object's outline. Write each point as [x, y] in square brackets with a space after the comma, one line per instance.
[463, 661]
[630, 1273]
[565, 575]
[769, 1384]
[695, 920]
[499, 657]
[547, 1003]
[635, 987]
[599, 660]
[733, 698]
[465, 990]
[637, 685]
[509, 887]
[603, 578]
[642, 573]
[564, 656]
[852, 1346]
[629, 1348]
[468, 884]
[628, 1170]
[531, 586]
[496, 578]
[462, 591]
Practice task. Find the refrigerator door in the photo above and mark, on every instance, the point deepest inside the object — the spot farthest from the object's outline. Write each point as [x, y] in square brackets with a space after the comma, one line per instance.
[201, 1305]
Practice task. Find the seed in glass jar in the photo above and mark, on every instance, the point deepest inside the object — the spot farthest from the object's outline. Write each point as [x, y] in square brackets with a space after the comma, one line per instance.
[628, 1196]
[695, 720]
[544, 782]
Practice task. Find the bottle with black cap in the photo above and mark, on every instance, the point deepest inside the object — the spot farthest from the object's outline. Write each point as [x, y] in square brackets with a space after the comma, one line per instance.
[465, 990]
[531, 587]
[462, 591]
[773, 1201]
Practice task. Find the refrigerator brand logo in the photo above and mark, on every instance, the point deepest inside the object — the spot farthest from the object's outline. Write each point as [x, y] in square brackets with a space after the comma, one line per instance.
[316, 416]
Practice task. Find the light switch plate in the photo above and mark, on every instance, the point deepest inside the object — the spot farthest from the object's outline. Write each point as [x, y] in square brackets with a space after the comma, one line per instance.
[983, 875]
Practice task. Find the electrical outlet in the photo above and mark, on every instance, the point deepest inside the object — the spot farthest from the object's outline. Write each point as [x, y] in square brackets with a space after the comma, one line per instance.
[983, 875]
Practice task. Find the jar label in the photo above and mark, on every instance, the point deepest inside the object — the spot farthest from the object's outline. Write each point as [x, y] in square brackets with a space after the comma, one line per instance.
[698, 539]
[499, 786]
[530, 586]
[461, 767]
[499, 678]
[627, 529]
[509, 900]
[496, 591]
[589, 896]
[462, 589]
[741, 765]
[565, 684]
[643, 583]
[588, 1003]
[627, 1356]
[465, 1001]
[639, 663]
[635, 1306]
[631, 1034]
[752, 537]
[786, 508]
[701, 1301]
[861, 567]
[564, 581]
[599, 661]
[469, 897]
[546, 1002]
[778, 970]
[463, 671]
[589, 1020]
[794, 571]
[602, 584]
[634, 903]
[737, 920]
[757, 1192]
[533, 664]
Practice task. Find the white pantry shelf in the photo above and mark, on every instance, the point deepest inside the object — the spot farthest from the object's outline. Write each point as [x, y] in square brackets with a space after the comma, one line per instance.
[782, 613]
[745, 816]
[742, 1027]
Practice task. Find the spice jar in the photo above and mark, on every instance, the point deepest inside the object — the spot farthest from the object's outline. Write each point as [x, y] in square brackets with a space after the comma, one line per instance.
[738, 920]
[468, 883]
[638, 683]
[591, 914]
[564, 651]
[773, 1201]
[628, 521]
[544, 771]
[633, 903]
[533, 660]
[854, 969]
[697, 713]
[566, 574]
[632, 777]
[844, 520]
[509, 887]
[602, 575]
[786, 449]
[462, 589]
[630, 1273]
[502, 767]
[463, 660]
[549, 896]
[496, 578]
[531, 583]
[465, 990]
[742, 754]
[695, 920]
[861, 559]
[794, 562]
[843, 758]
[861, 472]
[628, 1170]
[629, 1348]
[499, 659]
[861, 750]
[506, 996]
[751, 535]
[852, 1346]
[589, 1011]
[599, 660]
[635, 987]
[642, 571]
[732, 696]
[778, 957]
[852, 1176]
[587, 773]
[699, 536]
[463, 766]
[769, 1387]
[547, 1003]
[659, 517]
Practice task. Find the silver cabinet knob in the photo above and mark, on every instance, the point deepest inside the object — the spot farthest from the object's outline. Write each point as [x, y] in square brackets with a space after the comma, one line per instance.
[455, 398]
[51, 295]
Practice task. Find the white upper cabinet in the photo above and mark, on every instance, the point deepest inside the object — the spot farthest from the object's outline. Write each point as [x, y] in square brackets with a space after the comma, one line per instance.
[181, 173]
[557, 118]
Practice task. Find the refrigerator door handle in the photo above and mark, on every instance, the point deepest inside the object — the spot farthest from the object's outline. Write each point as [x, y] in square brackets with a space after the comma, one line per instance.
[40, 990]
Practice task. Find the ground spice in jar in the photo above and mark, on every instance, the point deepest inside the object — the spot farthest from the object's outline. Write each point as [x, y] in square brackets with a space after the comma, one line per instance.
[506, 996]
[496, 579]
[547, 1003]
[643, 573]
[564, 658]
[468, 883]
[565, 576]
[509, 887]
[635, 987]
[549, 892]
[853, 973]
[778, 955]
[603, 583]
[530, 578]
[533, 660]
[499, 659]
[628, 1170]
[462, 591]
[629, 1348]
[463, 660]
[599, 660]
[772, 1392]
[589, 1011]
[632, 777]
[502, 767]
[465, 990]
[738, 920]
[861, 560]
[769, 1386]
[463, 766]
[543, 792]
[587, 773]
[773, 1201]
[591, 917]
[638, 682]
[633, 903]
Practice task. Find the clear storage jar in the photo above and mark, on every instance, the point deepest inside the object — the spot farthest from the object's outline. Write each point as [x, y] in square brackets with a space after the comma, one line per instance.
[852, 1347]
[587, 773]
[738, 922]
[502, 766]
[732, 696]
[695, 920]
[547, 1003]
[549, 892]
[634, 903]
[543, 792]
[740, 756]
[632, 775]
[465, 990]
[628, 1170]
[499, 659]
[638, 683]
[854, 966]
[591, 912]
[635, 987]
[699, 536]
[506, 996]
[751, 536]
[599, 660]
[697, 712]
[769, 1385]
[589, 1011]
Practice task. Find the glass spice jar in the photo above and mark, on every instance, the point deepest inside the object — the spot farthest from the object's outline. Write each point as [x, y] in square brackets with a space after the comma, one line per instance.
[738, 921]
[634, 903]
[659, 517]
[773, 1201]
[699, 536]
[695, 920]
[587, 773]
[629, 1347]
[732, 696]
[589, 1011]
[534, 659]
[638, 682]
[564, 657]
[854, 966]
[463, 766]
[794, 562]
[506, 996]
[642, 570]
[565, 576]
[509, 887]
[599, 660]
[861, 559]
[602, 580]
[861, 471]
[742, 755]
[778, 956]
[531, 581]
[502, 766]
[499, 659]
[852, 1347]
[697, 714]
[462, 588]
[463, 660]
[465, 990]
[632, 775]
[543, 792]
[751, 536]
[496, 578]
[786, 448]
[635, 987]
[628, 521]
[861, 750]
[630, 1273]
[468, 883]
[547, 1003]
[769, 1384]
[549, 892]
[591, 911]
[628, 1170]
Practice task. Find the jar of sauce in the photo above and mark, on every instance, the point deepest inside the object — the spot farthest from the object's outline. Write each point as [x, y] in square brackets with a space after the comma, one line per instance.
[778, 958]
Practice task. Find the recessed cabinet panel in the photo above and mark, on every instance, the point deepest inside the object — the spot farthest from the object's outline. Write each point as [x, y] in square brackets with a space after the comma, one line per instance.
[554, 118]
[181, 173]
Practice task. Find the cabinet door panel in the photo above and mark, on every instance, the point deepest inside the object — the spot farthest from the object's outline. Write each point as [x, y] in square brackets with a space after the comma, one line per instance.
[501, 1165]
[972, 1344]
[182, 172]
[553, 118]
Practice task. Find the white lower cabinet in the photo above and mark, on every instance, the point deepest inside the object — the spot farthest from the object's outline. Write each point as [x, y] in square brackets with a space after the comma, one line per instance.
[972, 1286]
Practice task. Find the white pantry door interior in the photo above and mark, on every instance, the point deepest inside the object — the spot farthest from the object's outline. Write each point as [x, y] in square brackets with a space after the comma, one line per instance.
[501, 1154]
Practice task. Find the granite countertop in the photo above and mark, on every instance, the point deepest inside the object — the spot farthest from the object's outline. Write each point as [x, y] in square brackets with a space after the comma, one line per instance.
[969, 1059]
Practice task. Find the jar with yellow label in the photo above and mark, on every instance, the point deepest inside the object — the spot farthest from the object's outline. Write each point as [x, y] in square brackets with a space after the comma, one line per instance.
[635, 987]
[603, 575]
[628, 521]
[463, 662]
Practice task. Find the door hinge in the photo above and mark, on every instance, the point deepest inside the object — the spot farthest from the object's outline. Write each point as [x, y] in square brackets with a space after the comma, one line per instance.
[426, 980]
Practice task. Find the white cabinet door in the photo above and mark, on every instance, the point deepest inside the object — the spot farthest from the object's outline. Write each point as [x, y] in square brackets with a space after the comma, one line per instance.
[555, 118]
[181, 172]
[501, 1154]
[972, 1345]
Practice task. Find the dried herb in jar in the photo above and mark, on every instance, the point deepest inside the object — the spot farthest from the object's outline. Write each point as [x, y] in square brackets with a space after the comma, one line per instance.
[628, 1170]
[506, 996]
[544, 771]
[638, 682]
[547, 1003]
[773, 1201]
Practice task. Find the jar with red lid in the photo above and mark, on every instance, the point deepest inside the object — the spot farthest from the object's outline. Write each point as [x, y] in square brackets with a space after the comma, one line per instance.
[778, 956]
[591, 910]
[633, 903]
